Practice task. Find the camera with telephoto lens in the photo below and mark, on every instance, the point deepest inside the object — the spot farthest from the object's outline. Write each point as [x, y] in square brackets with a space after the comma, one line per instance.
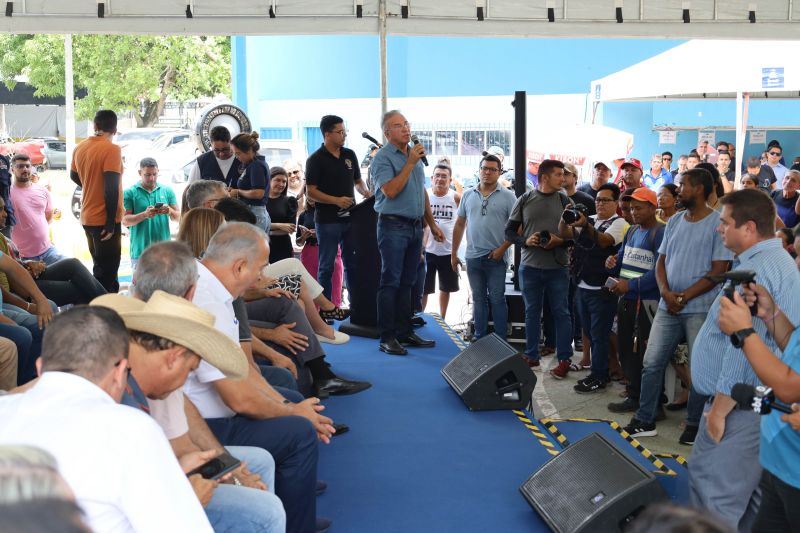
[571, 214]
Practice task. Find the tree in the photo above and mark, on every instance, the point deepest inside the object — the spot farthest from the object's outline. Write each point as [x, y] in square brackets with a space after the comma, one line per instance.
[121, 72]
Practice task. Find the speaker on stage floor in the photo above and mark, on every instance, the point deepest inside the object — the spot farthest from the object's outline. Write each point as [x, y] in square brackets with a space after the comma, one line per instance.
[591, 486]
[490, 374]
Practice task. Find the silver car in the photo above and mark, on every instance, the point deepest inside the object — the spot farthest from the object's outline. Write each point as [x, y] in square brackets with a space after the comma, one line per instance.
[56, 153]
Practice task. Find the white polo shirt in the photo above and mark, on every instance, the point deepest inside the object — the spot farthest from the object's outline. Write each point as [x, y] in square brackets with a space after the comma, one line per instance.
[212, 296]
[114, 457]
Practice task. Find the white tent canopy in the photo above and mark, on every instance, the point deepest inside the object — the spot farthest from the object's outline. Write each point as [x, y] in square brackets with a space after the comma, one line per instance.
[509, 18]
[762, 69]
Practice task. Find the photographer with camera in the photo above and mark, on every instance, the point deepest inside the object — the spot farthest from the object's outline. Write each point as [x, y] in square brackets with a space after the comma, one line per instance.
[597, 237]
[724, 459]
[533, 225]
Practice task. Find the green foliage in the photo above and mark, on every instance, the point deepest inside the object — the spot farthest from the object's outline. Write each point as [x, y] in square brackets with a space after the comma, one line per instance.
[121, 72]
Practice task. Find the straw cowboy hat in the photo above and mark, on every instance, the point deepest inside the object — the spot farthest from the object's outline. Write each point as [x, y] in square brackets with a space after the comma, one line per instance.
[180, 321]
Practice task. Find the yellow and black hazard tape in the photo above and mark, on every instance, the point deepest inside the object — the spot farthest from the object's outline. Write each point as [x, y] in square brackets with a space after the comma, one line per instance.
[459, 342]
[551, 427]
[681, 460]
[541, 437]
[647, 454]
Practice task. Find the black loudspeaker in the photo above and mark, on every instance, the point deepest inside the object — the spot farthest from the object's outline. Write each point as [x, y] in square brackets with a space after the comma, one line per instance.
[591, 486]
[490, 374]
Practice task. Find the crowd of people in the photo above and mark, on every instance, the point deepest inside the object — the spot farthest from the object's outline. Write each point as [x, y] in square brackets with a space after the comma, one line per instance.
[218, 352]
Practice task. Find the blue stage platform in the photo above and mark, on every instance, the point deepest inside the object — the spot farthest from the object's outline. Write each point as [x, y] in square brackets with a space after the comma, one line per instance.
[416, 460]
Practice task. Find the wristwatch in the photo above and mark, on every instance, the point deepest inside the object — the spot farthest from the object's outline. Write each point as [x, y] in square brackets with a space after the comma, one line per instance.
[738, 337]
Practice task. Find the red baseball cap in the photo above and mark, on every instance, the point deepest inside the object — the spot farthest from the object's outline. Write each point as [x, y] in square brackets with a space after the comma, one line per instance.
[632, 161]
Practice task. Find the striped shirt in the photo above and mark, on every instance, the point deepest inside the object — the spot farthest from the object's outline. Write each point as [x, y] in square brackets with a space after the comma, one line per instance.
[716, 365]
[689, 248]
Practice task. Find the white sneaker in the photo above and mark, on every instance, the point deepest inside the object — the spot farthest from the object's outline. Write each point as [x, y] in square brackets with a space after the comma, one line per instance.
[338, 338]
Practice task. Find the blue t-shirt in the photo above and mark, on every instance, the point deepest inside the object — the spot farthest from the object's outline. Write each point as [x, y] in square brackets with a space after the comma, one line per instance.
[637, 262]
[785, 208]
[256, 176]
[780, 444]
[689, 248]
[485, 232]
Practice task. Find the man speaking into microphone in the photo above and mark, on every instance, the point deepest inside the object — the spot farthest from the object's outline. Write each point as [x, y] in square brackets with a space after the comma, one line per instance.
[402, 205]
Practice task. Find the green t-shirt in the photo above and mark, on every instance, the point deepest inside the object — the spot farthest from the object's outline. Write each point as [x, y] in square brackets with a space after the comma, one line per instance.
[136, 199]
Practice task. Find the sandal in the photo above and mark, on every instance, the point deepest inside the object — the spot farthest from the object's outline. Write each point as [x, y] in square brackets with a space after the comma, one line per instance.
[577, 367]
[337, 313]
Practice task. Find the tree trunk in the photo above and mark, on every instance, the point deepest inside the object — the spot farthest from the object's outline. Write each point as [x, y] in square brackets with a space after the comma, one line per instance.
[153, 110]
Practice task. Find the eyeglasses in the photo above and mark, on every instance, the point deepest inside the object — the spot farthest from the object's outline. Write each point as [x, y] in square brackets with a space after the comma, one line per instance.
[221, 150]
[602, 200]
[484, 205]
[22, 165]
[400, 126]
[776, 154]
[343, 133]
[490, 169]
[293, 173]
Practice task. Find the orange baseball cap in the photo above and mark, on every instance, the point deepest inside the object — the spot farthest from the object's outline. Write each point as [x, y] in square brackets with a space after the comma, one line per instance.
[643, 194]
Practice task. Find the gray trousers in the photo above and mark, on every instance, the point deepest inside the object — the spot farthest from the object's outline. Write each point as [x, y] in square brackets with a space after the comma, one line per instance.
[271, 312]
[724, 477]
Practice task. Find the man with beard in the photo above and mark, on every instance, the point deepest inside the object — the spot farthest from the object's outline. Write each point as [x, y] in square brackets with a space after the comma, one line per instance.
[691, 250]
[34, 213]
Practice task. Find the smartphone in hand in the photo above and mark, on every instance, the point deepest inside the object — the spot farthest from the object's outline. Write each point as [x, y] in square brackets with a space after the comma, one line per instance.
[611, 283]
[217, 467]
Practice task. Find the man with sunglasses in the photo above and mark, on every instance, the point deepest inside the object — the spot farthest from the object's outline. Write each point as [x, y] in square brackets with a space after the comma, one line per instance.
[484, 212]
[774, 154]
[217, 164]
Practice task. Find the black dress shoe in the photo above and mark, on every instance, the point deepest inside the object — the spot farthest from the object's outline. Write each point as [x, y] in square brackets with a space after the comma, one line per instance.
[339, 387]
[341, 429]
[418, 321]
[323, 524]
[392, 347]
[412, 339]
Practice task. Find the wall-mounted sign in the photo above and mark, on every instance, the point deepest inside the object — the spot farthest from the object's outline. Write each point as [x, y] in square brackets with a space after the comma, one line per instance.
[772, 78]
[667, 137]
[758, 136]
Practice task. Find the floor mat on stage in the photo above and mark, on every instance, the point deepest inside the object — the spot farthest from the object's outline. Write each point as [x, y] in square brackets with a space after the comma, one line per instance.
[416, 459]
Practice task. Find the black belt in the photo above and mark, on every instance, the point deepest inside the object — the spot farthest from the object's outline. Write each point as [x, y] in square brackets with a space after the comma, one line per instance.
[405, 220]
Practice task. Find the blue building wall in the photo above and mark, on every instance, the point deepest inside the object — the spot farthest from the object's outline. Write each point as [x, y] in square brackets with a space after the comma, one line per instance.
[330, 67]
[310, 67]
[640, 118]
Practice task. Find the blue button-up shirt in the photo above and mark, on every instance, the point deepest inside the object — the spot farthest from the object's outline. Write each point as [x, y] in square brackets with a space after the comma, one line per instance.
[716, 365]
[410, 202]
[654, 183]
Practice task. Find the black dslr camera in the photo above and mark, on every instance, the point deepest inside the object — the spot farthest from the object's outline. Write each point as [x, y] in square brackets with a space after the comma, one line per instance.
[571, 216]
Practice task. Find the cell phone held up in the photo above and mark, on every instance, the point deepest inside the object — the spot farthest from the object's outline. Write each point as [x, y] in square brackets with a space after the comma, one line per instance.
[610, 283]
[217, 467]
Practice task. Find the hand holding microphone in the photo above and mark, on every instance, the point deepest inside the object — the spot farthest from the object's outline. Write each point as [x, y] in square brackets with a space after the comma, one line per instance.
[419, 149]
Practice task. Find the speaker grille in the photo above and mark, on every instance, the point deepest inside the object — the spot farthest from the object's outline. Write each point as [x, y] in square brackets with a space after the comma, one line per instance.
[472, 362]
[589, 474]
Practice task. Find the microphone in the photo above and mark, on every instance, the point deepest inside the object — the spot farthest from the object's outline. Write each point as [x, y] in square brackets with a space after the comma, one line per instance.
[415, 140]
[760, 399]
[371, 138]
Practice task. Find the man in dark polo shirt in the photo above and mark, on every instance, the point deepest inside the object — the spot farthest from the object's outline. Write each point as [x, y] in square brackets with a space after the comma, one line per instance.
[218, 163]
[332, 175]
[401, 203]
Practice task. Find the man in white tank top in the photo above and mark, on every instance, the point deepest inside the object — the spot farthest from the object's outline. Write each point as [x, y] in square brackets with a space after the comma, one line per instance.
[444, 206]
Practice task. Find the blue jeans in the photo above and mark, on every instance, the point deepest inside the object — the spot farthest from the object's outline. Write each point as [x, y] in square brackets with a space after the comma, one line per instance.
[27, 368]
[536, 283]
[68, 282]
[262, 217]
[487, 279]
[330, 235]
[596, 310]
[292, 442]
[21, 337]
[277, 376]
[234, 508]
[49, 256]
[400, 246]
[418, 290]
[666, 333]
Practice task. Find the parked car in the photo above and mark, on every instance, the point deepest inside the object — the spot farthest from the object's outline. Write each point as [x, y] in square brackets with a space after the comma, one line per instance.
[34, 148]
[56, 153]
[137, 138]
